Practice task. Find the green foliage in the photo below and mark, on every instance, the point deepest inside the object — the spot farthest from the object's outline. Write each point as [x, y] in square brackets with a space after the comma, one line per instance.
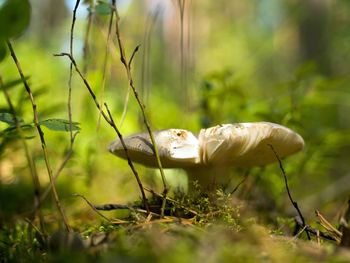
[11, 84]
[103, 8]
[8, 118]
[14, 18]
[3, 50]
[19, 243]
[60, 125]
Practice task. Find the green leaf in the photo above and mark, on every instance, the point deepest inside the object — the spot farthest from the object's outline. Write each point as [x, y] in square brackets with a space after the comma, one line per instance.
[103, 8]
[12, 132]
[12, 83]
[59, 125]
[3, 50]
[14, 18]
[8, 118]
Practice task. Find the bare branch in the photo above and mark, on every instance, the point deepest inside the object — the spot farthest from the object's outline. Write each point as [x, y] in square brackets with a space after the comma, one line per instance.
[295, 204]
[41, 134]
[127, 66]
[105, 59]
[86, 36]
[59, 170]
[109, 119]
[240, 183]
[313, 231]
[92, 206]
[71, 49]
[133, 55]
[31, 165]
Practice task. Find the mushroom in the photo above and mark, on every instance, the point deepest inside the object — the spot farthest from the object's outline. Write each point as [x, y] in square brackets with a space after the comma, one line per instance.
[207, 158]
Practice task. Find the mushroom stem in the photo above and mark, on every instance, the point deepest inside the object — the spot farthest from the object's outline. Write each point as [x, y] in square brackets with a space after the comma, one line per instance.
[208, 177]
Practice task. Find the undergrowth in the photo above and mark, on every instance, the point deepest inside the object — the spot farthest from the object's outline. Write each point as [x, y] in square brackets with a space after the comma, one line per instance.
[196, 227]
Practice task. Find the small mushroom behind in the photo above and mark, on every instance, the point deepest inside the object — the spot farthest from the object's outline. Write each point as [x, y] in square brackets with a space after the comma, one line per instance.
[177, 148]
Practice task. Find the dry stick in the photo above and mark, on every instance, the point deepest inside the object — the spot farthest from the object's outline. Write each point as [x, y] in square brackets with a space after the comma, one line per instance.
[69, 106]
[144, 58]
[41, 233]
[71, 74]
[145, 67]
[58, 172]
[32, 168]
[109, 119]
[41, 135]
[328, 226]
[301, 231]
[127, 66]
[181, 4]
[86, 36]
[240, 183]
[109, 207]
[136, 208]
[129, 160]
[105, 66]
[72, 136]
[295, 204]
[93, 207]
[127, 95]
[122, 56]
[313, 231]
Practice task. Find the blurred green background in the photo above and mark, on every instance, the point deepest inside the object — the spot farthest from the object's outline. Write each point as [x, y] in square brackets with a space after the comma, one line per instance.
[233, 61]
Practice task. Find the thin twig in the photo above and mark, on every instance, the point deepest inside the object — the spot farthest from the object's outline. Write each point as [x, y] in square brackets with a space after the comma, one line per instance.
[71, 49]
[59, 170]
[300, 232]
[313, 231]
[127, 66]
[69, 107]
[42, 234]
[136, 208]
[105, 60]
[328, 226]
[92, 206]
[41, 135]
[109, 207]
[129, 160]
[109, 119]
[86, 37]
[182, 5]
[240, 183]
[145, 67]
[29, 158]
[295, 204]
[72, 136]
[318, 237]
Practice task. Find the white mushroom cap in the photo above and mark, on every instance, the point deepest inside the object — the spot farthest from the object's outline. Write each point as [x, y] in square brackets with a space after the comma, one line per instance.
[240, 144]
[177, 148]
[247, 144]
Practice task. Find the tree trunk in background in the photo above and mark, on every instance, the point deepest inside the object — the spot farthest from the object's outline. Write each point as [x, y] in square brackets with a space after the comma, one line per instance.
[47, 16]
[314, 33]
